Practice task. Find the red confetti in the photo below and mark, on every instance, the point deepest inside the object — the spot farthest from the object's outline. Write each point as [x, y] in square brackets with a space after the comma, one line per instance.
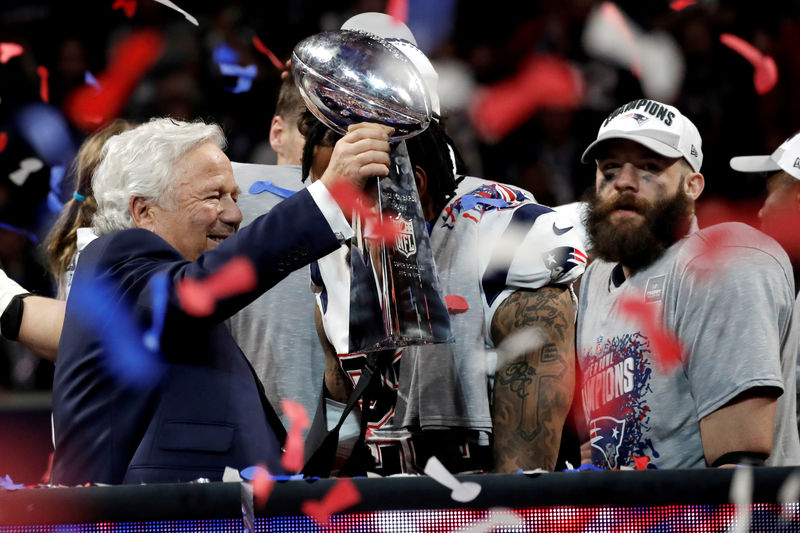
[199, 298]
[89, 108]
[293, 455]
[128, 6]
[611, 12]
[765, 75]
[3, 140]
[44, 90]
[352, 200]
[666, 347]
[262, 484]
[9, 50]
[398, 10]
[48, 471]
[261, 47]
[542, 82]
[456, 304]
[641, 462]
[679, 5]
[341, 496]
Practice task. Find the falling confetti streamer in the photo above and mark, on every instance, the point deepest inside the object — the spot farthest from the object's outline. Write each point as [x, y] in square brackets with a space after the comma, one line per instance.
[679, 5]
[615, 17]
[159, 293]
[765, 76]
[342, 495]
[89, 79]
[398, 10]
[199, 298]
[27, 166]
[498, 518]
[179, 10]
[8, 484]
[460, 491]
[352, 200]
[244, 75]
[741, 495]
[128, 6]
[293, 454]
[261, 47]
[89, 108]
[267, 186]
[456, 304]
[44, 89]
[3, 140]
[9, 50]
[101, 310]
[666, 347]
[263, 483]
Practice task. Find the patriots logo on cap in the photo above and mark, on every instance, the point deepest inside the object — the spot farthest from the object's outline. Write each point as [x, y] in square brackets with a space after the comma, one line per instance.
[796, 162]
[563, 259]
[693, 151]
[638, 117]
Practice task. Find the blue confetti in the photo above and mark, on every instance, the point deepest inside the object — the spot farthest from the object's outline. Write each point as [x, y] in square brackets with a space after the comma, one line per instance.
[584, 467]
[267, 186]
[159, 287]
[244, 76]
[54, 203]
[91, 80]
[469, 202]
[15, 229]
[127, 358]
[224, 54]
[46, 130]
[250, 472]
[8, 484]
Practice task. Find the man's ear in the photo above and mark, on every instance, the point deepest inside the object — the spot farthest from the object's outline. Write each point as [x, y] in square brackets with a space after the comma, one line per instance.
[694, 184]
[421, 177]
[142, 212]
[276, 129]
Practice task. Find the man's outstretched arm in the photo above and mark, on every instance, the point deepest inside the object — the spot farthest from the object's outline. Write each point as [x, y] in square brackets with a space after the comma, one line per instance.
[533, 384]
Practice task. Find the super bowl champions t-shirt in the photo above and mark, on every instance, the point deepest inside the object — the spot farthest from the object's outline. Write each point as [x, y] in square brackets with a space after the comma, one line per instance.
[727, 293]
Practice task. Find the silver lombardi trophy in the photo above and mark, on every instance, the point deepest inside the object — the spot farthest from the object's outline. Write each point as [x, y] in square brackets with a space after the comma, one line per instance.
[348, 77]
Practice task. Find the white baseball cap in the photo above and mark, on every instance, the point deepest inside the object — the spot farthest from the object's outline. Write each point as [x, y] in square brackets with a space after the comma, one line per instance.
[659, 127]
[398, 34]
[786, 157]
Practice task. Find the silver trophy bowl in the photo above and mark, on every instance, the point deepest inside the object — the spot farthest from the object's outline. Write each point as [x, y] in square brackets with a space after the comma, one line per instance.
[346, 77]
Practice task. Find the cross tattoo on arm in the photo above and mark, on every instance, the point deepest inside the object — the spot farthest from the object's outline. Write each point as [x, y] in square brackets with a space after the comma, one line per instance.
[534, 384]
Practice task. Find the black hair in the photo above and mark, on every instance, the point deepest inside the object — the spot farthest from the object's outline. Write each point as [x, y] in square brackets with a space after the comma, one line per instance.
[316, 134]
[431, 151]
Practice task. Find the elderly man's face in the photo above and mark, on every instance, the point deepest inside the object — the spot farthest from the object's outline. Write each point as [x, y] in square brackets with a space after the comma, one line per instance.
[203, 210]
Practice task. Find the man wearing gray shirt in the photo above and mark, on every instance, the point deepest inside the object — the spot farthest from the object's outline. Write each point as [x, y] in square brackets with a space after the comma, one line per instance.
[725, 293]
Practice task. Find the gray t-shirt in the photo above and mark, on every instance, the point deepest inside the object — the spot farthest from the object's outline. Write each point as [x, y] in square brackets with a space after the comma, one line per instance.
[727, 293]
[276, 332]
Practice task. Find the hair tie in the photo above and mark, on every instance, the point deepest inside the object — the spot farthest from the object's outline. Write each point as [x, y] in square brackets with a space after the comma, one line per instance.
[78, 196]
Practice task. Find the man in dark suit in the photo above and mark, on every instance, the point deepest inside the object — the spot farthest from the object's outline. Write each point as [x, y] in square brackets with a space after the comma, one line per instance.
[167, 207]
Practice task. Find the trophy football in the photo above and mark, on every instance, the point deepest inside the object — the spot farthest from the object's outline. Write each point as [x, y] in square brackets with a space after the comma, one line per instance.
[346, 77]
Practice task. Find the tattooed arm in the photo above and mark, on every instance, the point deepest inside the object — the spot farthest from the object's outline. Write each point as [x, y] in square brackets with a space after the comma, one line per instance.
[533, 388]
[336, 381]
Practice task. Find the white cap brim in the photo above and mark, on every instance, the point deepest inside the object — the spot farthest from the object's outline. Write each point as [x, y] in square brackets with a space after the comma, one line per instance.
[754, 163]
[648, 142]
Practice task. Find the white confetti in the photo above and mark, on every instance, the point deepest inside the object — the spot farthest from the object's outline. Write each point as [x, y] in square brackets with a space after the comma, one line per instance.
[497, 518]
[461, 492]
[179, 10]
[741, 495]
[26, 168]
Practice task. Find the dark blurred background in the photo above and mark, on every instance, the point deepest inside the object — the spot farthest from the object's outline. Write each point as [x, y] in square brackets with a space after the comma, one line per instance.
[475, 46]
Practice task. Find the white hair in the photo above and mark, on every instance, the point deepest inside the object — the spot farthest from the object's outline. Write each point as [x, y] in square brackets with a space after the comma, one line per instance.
[141, 162]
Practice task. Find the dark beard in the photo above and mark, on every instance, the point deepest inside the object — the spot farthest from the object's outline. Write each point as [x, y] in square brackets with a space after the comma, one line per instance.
[637, 244]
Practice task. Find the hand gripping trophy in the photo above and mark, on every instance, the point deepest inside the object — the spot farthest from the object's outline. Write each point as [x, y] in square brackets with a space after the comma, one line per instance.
[347, 77]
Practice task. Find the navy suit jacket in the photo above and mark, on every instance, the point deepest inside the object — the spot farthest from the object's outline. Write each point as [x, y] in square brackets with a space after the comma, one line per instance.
[206, 410]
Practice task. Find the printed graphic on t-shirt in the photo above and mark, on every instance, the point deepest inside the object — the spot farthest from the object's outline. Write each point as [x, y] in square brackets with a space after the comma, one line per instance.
[615, 391]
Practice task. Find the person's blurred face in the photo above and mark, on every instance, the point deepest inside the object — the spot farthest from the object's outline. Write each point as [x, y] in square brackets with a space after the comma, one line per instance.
[782, 200]
[780, 213]
[201, 210]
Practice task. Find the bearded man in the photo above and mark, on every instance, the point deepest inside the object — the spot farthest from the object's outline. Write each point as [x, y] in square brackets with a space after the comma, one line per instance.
[725, 393]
